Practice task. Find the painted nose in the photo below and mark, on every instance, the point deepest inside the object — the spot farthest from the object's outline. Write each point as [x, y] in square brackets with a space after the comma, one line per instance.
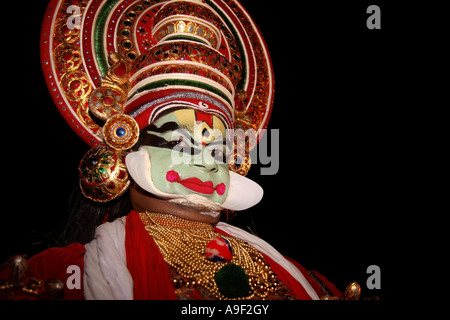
[206, 162]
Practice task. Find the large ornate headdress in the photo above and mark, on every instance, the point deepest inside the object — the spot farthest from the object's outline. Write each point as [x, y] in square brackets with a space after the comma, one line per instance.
[113, 66]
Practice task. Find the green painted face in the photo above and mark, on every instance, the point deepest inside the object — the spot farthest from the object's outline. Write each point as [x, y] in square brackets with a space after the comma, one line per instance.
[188, 152]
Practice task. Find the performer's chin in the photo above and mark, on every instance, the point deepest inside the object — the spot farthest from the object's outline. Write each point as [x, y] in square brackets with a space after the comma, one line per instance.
[200, 204]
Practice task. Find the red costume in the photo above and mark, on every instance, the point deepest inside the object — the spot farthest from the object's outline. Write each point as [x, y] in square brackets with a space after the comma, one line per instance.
[148, 269]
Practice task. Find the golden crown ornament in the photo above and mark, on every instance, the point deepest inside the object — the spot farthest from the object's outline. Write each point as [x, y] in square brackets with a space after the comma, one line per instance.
[113, 66]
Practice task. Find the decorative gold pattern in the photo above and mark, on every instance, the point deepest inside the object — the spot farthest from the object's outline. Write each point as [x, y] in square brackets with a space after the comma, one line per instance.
[121, 132]
[67, 57]
[127, 26]
[73, 79]
[191, 28]
[182, 244]
[240, 164]
[240, 161]
[62, 33]
[76, 85]
[103, 174]
[183, 50]
[107, 101]
[193, 9]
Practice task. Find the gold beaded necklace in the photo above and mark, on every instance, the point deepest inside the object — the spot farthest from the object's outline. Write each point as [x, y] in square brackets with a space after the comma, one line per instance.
[182, 244]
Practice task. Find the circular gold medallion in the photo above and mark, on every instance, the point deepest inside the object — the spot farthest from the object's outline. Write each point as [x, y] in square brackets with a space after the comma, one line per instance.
[121, 132]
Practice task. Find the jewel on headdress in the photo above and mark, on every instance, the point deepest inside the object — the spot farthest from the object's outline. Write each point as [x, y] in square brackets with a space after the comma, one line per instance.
[107, 101]
[240, 163]
[103, 175]
[121, 132]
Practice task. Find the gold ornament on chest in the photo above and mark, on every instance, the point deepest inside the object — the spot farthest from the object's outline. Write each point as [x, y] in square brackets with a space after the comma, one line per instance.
[227, 267]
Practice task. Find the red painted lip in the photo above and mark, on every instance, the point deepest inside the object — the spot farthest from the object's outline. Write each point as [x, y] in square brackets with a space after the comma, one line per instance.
[198, 185]
[195, 184]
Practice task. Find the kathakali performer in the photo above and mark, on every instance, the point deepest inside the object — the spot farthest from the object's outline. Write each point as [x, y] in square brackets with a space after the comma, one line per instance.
[157, 88]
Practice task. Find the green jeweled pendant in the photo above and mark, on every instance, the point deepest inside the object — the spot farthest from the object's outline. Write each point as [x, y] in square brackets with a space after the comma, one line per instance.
[232, 281]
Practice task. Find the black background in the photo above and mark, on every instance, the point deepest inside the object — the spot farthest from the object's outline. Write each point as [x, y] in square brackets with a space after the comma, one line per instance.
[332, 202]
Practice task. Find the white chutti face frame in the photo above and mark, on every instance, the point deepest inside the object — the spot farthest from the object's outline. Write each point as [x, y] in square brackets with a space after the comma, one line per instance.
[243, 193]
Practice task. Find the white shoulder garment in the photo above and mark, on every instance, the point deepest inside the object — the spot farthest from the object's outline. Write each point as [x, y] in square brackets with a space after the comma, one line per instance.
[106, 276]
